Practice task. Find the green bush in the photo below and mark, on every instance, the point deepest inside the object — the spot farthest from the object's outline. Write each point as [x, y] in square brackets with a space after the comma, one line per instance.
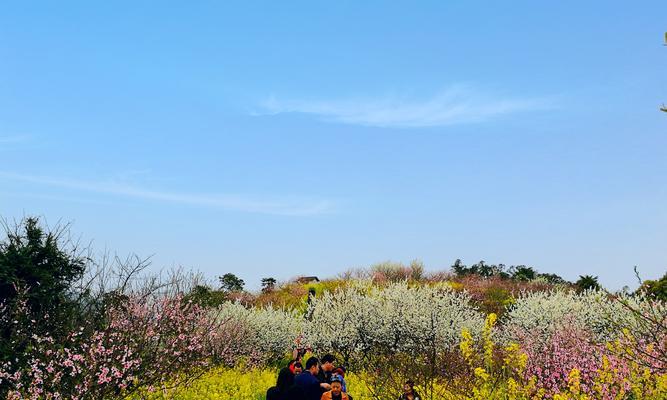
[38, 270]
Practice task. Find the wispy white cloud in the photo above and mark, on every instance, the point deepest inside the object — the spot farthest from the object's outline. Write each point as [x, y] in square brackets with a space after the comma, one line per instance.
[458, 105]
[279, 206]
[14, 139]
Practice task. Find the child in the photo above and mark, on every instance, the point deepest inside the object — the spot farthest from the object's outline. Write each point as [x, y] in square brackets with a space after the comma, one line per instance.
[340, 372]
[409, 392]
[336, 392]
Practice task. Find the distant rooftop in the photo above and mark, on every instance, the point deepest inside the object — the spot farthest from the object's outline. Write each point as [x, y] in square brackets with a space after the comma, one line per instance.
[307, 279]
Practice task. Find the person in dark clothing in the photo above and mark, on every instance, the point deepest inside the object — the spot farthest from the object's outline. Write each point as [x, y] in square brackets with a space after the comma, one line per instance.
[295, 393]
[327, 369]
[307, 381]
[285, 381]
[409, 392]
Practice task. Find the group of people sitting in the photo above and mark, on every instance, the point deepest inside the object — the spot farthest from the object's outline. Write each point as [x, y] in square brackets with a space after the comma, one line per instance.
[316, 381]
[319, 381]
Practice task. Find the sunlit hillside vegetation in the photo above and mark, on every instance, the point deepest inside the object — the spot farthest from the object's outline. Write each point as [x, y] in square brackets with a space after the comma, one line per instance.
[79, 328]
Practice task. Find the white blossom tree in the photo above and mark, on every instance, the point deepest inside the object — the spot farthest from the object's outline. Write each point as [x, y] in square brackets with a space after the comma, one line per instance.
[412, 327]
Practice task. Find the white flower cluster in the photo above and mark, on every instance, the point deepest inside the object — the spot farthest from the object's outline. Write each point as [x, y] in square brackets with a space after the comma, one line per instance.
[540, 314]
[266, 331]
[363, 318]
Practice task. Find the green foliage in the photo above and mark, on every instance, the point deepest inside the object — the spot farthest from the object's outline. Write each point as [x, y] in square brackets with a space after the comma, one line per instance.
[268, 284]
[655, 288]
[483, 269]
[519, 273]
[37, 272]
[460, 269]
[496, 300]
[588, 282]
[488, 270]
[33, 259]
[552, 278]
[231, 283]
[205, 296]
[523, 273]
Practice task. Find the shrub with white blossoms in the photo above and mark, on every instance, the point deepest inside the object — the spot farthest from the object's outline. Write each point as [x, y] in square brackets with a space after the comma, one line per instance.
[264, 334]
[540, 314]
[362, 319]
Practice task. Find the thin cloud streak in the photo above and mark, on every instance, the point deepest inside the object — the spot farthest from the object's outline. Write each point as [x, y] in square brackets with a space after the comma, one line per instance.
[287, 207]
[458, 105]
[14, 139]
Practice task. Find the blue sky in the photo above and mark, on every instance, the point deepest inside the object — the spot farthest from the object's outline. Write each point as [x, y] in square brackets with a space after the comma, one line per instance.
[287, 138]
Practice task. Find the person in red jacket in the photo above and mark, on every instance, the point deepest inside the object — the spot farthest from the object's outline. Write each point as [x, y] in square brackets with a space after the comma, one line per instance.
[295, 366]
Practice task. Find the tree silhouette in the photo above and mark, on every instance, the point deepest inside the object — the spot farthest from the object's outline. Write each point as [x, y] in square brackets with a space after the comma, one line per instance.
[587, 282]
[552, 278]
[523, 273]
[459, 268]
[231, 283]
[268, 284]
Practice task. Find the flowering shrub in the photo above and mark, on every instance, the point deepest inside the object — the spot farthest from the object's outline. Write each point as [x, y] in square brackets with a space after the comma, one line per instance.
[396, 332]
[495, 372]
[564, 331]
[240, 384]
[145, 342]
[221, 384]
[264, 334]
[548, 345]
[289, 295]
[569, 366]
[362, 319]
[540, 314]
[568, 348]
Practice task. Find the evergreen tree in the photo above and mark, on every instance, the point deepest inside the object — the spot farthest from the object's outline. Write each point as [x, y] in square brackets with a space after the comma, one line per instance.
[587, 282]
[268, 284]
[231, 283]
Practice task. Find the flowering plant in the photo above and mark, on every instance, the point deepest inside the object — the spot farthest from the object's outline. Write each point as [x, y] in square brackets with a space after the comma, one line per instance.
[144, 342]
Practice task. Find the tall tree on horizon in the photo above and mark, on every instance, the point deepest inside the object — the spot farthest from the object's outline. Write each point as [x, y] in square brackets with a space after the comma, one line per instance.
[588, 282]
[268, 284]
[231, 283]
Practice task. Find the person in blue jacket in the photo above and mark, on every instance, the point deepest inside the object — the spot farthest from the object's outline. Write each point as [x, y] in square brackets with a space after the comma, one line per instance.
[308, 382]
